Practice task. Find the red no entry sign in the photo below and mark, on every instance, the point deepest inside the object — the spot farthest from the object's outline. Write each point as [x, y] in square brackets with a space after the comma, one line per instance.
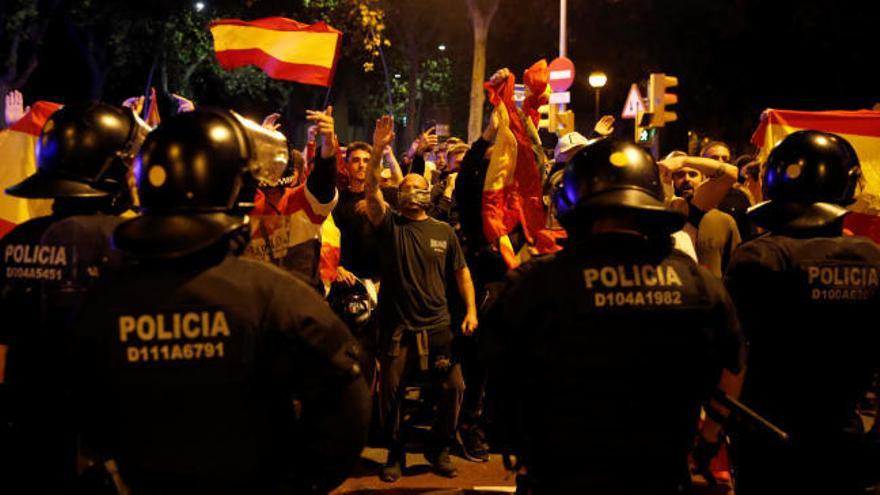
[561, 74]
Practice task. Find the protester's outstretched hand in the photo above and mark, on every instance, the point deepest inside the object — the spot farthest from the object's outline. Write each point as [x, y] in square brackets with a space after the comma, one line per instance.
[135, 103]
[15, 108]
[383, 134]
[325, 128]
[183, 104]
[605, 125]
[271, 121]
[499, 75]
[427, 140]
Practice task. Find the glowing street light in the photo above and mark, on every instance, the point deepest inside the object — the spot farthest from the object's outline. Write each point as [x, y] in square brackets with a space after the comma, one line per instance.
[442, 48]
[200, 6]
[597, 81]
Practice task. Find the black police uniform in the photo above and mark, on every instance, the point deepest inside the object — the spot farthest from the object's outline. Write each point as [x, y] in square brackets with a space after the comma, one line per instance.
[49, 262]
[806, 306]
[86, 241]
[44, 276]
[806, 296]
[202, 372]
[611, 346]
[190, 371]
[603, 353]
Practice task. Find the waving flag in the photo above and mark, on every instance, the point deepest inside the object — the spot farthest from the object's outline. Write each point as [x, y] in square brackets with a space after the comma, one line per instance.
[512, 192]
[860, 127]
[282, 48]
[331, 239]
[18, 160]
[151, 115]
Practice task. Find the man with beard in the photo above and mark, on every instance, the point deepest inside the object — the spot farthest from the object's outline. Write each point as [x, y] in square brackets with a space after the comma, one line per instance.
[703, 183]
[415, 326]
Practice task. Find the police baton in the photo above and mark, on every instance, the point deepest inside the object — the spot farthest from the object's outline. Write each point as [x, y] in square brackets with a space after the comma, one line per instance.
[742, 410]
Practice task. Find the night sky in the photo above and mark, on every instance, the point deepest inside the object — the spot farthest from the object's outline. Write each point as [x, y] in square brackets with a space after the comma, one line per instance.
[733, 58]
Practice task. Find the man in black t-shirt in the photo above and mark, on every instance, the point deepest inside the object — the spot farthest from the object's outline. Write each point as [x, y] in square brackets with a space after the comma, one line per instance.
[414, 316]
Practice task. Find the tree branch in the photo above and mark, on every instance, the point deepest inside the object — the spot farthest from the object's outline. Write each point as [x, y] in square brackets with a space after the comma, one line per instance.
[31, 67]
[12, 57]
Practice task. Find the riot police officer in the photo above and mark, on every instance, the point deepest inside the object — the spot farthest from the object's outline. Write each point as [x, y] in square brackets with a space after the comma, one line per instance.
[603, 353]
[806, 295]
[199, 371]
[83, 156]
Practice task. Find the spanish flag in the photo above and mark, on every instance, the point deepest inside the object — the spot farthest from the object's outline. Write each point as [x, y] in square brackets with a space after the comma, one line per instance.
[152, 117]
[282, 48]
[512, 192]
[18, 146]
[331, 239]
[860, 127]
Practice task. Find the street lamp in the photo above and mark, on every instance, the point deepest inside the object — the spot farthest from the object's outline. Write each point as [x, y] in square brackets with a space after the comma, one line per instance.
[200, 6]
[442, 48]
[597, 81]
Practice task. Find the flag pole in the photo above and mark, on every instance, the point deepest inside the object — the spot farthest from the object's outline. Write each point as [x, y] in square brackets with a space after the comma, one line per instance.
[327, 97]
[387, 82]
[152, 71]
[147, 94]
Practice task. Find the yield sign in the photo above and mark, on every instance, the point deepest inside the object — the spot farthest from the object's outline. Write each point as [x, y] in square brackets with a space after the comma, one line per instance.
[634, 103]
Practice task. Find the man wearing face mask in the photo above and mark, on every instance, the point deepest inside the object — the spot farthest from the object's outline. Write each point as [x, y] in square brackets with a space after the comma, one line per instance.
[415, 331]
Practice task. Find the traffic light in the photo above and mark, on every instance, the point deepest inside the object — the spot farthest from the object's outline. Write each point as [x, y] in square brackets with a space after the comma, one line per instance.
[646, 133]
[659, 99]
[564, 122]
[548, 119]
[643, 127]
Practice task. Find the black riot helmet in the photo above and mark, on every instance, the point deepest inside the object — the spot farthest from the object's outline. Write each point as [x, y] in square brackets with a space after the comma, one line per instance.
[613, 176]
[84, 151]
[189, 174]
[808, 179]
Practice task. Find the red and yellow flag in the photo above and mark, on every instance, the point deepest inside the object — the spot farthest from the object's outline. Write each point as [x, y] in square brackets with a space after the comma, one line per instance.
[512, 192]
[860, 127]
[18, 146]
[331, 239]
[282, 48]
[153, 119]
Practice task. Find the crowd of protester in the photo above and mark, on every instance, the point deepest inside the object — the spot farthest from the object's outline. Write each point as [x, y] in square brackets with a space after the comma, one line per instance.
[413, 275]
